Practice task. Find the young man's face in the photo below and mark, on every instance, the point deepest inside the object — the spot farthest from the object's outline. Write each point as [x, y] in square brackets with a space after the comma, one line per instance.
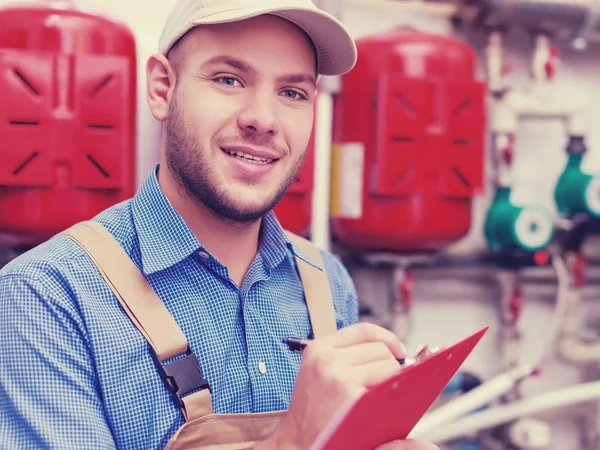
[241, 115]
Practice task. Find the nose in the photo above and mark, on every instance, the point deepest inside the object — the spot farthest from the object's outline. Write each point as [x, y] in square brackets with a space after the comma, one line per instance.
[259, 117]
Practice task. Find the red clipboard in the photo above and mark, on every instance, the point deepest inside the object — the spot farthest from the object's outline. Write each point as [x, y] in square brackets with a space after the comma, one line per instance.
[390, 410]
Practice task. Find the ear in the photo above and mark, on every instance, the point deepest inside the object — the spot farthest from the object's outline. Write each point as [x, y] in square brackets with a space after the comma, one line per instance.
[160, 85]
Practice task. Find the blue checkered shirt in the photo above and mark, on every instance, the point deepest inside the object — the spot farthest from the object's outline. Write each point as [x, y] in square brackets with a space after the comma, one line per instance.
[75, 373]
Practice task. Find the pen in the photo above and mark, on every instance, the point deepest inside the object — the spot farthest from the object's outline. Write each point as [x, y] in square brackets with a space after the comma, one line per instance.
[298, 344]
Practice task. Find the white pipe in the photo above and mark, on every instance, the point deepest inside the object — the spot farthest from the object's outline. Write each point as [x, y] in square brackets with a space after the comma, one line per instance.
[466, 403]
[536, 103]
[320, 233]
[560, 309]
[494, 61]
[590, 438]
[323, 139]
[511, 338]
[540, 100]
[401, 317]
[568, 343]
[541, 55]
[499, 415]
[504, 143]
[574, 351]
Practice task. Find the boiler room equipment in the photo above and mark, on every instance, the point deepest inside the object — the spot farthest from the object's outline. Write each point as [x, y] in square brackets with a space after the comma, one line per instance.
[576, 191]
[514, 227]
[409, 138]
[574, 20]
[67, 116]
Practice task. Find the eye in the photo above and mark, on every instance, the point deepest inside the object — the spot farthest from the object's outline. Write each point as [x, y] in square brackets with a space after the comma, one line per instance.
[228, 81]
[293, 94]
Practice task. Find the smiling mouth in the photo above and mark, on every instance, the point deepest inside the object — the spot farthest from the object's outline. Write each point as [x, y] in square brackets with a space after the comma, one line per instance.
[249, 158]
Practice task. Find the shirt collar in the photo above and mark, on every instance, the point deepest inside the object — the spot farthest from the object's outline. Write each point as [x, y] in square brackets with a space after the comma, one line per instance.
[165, 239]
[274, 240]
[303, 256]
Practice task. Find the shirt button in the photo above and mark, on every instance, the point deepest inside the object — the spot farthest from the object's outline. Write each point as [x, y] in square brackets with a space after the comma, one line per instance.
[204, 255]
[262, 367]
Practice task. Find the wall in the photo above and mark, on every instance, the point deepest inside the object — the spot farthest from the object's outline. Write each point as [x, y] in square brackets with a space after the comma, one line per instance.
[446, 305]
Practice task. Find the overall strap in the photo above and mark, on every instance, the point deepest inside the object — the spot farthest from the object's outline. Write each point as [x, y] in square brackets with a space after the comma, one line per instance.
[147, 311]
[316, 286]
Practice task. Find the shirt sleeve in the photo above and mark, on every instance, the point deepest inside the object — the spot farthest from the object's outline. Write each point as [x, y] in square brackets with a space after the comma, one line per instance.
[49, 397]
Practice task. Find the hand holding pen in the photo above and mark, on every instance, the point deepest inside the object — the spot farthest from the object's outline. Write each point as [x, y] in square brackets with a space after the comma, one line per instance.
[336, 369]
[299, 344]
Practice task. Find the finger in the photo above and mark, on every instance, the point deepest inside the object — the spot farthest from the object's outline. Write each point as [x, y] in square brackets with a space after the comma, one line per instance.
[366, 353]
[408, 444]
[364, 332]
[374, 373]
[412, 444]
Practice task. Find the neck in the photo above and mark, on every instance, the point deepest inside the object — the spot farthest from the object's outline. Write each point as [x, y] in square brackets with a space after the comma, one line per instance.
[234, 245]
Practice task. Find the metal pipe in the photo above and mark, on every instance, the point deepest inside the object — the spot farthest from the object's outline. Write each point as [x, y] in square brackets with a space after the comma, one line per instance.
[483, 395]
[490, 418]
[328, 87]
[569, 344]
[320, 232]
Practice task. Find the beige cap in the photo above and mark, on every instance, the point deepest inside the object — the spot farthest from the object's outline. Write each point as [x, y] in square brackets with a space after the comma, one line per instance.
[336, 50]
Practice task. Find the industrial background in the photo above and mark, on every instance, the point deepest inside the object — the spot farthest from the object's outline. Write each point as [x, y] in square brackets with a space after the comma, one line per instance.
[455, 170]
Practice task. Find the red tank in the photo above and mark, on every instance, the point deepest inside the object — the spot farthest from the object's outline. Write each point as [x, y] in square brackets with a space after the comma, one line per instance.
[67, 117]
[294, 210]
[409, 139]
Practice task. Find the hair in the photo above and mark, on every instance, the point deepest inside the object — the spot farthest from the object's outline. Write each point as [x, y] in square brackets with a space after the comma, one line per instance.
[176, 54]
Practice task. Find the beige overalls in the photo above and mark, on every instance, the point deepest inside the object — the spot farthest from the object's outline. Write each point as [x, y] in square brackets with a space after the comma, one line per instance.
[202, 428]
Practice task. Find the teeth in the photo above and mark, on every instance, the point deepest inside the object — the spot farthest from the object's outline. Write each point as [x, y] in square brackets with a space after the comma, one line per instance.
[250, 158]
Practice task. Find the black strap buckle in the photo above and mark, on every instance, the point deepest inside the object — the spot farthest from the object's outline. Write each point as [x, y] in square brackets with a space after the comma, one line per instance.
[184, 376]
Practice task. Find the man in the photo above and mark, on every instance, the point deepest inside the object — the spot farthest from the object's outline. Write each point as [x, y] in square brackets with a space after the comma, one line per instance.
[235, 87]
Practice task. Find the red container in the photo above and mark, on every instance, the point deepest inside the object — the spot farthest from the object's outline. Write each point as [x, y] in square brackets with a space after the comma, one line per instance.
[294, 210]
[409, 143]
[67, 117]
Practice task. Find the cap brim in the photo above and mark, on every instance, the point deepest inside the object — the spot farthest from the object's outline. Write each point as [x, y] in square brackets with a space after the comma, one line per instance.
[336, 49]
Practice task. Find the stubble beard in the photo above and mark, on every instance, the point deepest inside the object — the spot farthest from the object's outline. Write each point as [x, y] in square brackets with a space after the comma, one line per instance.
[186, 160]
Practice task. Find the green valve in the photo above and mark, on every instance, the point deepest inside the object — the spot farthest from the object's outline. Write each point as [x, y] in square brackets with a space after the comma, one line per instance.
[576, 191]
[509, 226]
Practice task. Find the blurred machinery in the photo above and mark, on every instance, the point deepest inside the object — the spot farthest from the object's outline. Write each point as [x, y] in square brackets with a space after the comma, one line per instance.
[521, 236]
[384, 217]
[518, 235]
[576, 21]
[577, 194]
[406, 169]
[67, 119]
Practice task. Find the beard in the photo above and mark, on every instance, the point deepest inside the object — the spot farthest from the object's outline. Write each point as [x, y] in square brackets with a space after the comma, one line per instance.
[187, 161]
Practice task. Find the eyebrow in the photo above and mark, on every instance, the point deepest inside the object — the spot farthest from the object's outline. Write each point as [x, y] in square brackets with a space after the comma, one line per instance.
[298, 78]
[231, 61]
[249, 69]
